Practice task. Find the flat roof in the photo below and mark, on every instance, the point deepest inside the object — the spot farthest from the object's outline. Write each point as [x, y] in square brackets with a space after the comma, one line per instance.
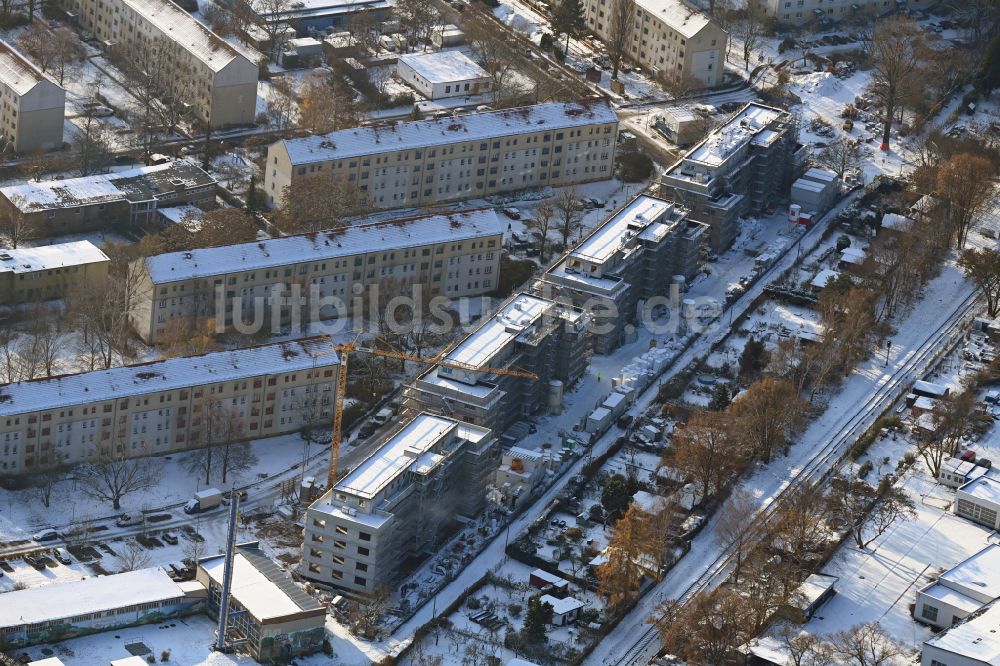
[634, 217]
[815, 586]
[562, 606]
[139, 184]
[977, 637]
[395, 136]
[947, 595]
[509, 322]
[549, 577]
[986, 487]
[444, 66]
[44, 257]
[17, 72]
[736, 133]
[403, 450]
[188, 32]
[260, 586]
[322, 245]
[678, 15]
[301, 8]
[58, 601]
[84, 388]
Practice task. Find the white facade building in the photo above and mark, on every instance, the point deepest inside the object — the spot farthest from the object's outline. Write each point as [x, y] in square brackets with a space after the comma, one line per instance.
[443, 74]
[972, 642]
[960, 591]
[32, 104]
[979, 500]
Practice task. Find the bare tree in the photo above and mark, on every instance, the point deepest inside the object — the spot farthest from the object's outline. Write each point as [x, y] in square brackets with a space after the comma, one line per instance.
[749, 29]
[766, 415]
[495, 52]
[736, 528]
[896, 44]
[133, 558]
[708, 628]
[703, 450]
[268, 16]
[327, 104]
[419, 17]
[802, 648]
[15, 225]
[113, 475]
[951, 416]
[892, 505]
[982, 266]
[965, 182]
[318, 202]
[365, 612]
[619, 32]
[569, 213]
[866, 645]
[842, 155]
[540, 225]
[43, 485]
[92, 145]
[364, 30]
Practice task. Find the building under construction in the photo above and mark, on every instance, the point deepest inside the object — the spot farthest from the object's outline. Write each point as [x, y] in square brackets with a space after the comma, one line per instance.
[741, 168]
[398, 505]
[528, 333]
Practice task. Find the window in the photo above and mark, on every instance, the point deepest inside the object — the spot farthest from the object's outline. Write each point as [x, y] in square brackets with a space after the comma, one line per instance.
[364, 536]
[929, 613]
[359, 580]
[363, 551]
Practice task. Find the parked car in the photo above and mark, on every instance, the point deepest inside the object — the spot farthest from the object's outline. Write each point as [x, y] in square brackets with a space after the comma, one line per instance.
[63, 555]
[170, 538]
[47, 534]
[102, 112]
[126, 520]
[512, 213]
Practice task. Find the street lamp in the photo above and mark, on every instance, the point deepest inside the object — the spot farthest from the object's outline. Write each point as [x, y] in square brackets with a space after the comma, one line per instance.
[888, 346]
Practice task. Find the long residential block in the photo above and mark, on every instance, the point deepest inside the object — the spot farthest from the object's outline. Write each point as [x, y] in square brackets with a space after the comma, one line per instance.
[122, 198]
[451, 255]
[675, 41]
[636, 254]
[425, 162]
[165, 406]
[823, 12]
[32, 104]
[214, 78]
[526, 333]
[50, 271]
[741, 168]
[398, 503]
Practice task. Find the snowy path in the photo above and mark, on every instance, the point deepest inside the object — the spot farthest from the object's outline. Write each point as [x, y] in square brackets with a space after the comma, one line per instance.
[936, 322]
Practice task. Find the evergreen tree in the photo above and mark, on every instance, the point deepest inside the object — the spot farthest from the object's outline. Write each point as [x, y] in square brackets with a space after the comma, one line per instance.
[720, 397]
[568, 19]
[989, 66]
[537, 617]
[616, 496]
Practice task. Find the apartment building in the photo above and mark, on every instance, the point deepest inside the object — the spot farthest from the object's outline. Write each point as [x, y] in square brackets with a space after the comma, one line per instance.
[397, 504]
[50, 271]
[802, 12]
[741, 168]
[452, 255]
[404, 164]
[214, 79]
[123, 198]
[674, 41]
[528, 333]
[165, 406]
[636, 254]
[32, 105]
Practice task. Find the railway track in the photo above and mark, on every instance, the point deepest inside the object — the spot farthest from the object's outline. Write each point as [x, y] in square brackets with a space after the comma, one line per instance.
[822, 467]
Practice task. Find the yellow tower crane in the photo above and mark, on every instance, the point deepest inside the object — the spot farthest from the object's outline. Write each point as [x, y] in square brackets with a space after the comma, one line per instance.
[345, 350]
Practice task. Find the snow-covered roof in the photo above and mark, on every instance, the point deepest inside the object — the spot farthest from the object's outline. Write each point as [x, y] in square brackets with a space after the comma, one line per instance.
[188, 32]
[954, 598]
[52, 392]
[444, 66]
[316, 8]
[134, 660]
[648, 502]
[820, 175]
[852, 255]
[44, 257]
[402, 451]
[986, 487]
[736, 133]
[260, 586]
[49, 661]
[521, 453]
[521, 662]
[17, 72]
[516, 317]
[562, 606]
[823, 277]
[896, 221]
[678, 15]
[977, 637]
[58, 601]
[961, 467]
[634, 218]
[812, 588]
[395, 136]
[549, 578]
[138, 184]
[323, 245]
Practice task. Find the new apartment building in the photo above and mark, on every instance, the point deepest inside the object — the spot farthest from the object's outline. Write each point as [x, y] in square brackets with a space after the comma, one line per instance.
[50, 271]
[801, 12]
[636, 254]
[397, 504]
[217, 81]
[527, 333]
[404, 164]
[740, 169]
[451, 255]
[674, 41]
[165, 406]
[32, 105]
[123, 198]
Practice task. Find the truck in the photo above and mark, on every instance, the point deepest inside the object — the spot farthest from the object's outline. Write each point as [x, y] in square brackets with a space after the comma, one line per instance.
[204, 500]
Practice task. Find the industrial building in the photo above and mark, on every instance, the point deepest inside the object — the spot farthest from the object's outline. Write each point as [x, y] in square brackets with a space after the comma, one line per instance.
[526, 333]
[423, 162]
[210, 76]
[741, 168]
[50, 271]
[674, 41]
[816, 191]
[960, 591]
[165, 406]
[979, 500]
[398, 504]
[452, 255]
[443, 74]
[974, 641]
[123, 198]
[636, 254]
[270, 617]
[55, 612]
[306, 16]
[31, 115]
[823, 12]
